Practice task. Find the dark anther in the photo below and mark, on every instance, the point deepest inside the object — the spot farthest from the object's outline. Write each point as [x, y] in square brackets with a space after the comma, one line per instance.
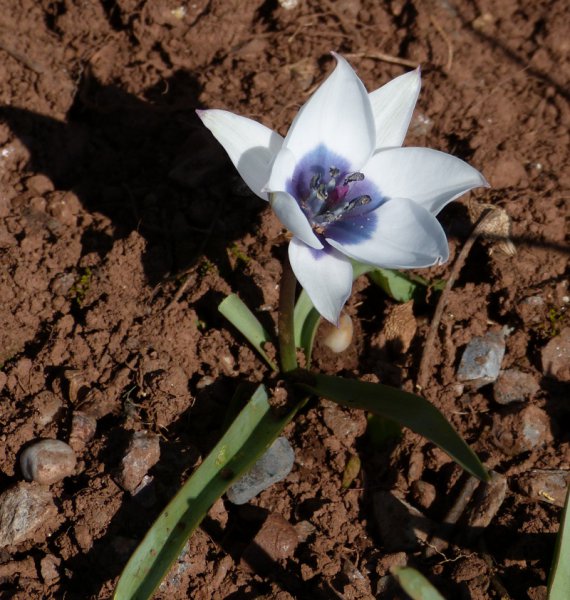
[353, 177]
[334, 172]
[315, 179]
[360, 201]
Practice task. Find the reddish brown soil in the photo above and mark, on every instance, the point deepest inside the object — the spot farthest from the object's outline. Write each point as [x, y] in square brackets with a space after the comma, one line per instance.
[112, 195]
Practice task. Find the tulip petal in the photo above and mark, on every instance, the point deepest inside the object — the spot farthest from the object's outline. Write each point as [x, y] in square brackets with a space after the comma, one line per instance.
[325, 275]
[428, 177]
[251, 146]
[282, 171]
[393, 105]
[290, 214]
[400, 234]
[338, 116]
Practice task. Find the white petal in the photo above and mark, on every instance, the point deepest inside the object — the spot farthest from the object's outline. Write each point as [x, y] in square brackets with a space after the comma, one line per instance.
[428, 177]
[290, 214]
[338, 116]
[251, 146]
[392, 106]
[400, 235]
[281, 171]
[325, 275]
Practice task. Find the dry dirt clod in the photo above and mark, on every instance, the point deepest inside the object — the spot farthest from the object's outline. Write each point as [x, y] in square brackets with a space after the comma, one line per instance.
[24, 508]
[83, 427]
[556, 356]
[49, 565]
[402, 527]
[141, 455]
[521, 431]
[543, 485]
[399, 328]
[46, 406]
[423, 493]
[47, 462]
[276, 540]
[513, 385]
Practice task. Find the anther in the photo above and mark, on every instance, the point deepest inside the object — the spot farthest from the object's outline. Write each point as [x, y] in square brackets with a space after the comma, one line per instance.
[353, 177]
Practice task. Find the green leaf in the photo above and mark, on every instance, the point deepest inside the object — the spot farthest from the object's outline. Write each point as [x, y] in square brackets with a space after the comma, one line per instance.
[306, 320]
[239, 315]
[248, 437]
[415, 584]
[381, 430]
[559, 579]
[407, 409]
[398, 286]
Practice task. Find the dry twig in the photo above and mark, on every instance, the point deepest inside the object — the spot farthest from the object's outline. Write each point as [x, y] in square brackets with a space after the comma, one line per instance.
[425, 364]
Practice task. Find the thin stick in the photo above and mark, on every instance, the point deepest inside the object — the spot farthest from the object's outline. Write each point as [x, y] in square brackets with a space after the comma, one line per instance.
[446, 39]
[19, 56]
[425, 364]
[395, 60]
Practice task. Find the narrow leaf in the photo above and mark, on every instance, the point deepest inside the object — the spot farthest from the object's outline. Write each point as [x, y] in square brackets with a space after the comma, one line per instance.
[415, 584]
[398, 286]
[248, 437]
[559, 580]
[239, 315]
[306, 321]
[407, 409]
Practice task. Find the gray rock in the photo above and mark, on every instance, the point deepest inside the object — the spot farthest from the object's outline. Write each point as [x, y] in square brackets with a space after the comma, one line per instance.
[513, 385]
[272, 467]
[24, 508]
[481, 360]
[47, 461]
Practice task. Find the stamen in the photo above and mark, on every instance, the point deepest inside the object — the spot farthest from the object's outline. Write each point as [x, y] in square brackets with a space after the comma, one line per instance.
[351, 177]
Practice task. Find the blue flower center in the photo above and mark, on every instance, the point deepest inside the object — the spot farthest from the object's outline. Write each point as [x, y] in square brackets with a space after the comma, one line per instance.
[330, 194]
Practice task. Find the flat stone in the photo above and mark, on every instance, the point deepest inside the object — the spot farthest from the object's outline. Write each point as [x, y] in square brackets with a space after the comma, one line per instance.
[141, 455]
[556, 356]
[402, 527]
[481, 360]
[513, 385]
[48, 461]
[272, 467]
[24, 508]
[521, 431]
[544, 485]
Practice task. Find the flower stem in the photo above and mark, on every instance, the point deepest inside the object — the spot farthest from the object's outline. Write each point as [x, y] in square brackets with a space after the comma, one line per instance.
[285, 322]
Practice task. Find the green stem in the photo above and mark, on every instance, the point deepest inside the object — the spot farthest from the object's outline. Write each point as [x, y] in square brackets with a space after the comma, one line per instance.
[287, 349]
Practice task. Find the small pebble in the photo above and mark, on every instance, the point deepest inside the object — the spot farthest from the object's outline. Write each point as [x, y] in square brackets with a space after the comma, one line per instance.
[513, 385]
[83, 427]
[141, 455]
[542, 485]
[556, 356]
[272, 467]
[46, 406]
[24, 508]
[345, 425]
[276, 540]
[481, 360]
[49, 568]
[521, 431]
[47, 461]
[402, 527]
